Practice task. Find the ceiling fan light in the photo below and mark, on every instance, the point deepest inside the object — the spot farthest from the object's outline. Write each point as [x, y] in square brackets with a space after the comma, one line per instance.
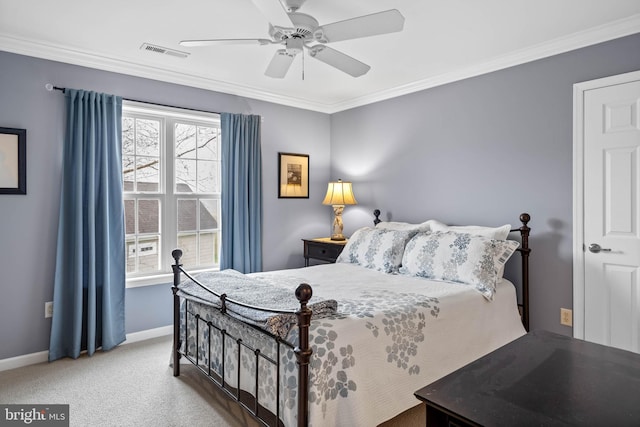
[294, 46]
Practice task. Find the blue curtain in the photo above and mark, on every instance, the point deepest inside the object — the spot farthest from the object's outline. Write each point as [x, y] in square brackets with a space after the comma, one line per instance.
[241, 193]
[89, 289]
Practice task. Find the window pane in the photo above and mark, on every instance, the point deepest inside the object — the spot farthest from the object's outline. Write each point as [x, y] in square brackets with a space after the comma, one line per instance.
[187, 211]
[128, 136]
[148, 216]
[130, 244]
[208, 214]
[128, 172]
[207, 143]
[147, 137]
[148, 252]
[185, 141]
[148, 174]
[187, 242]
[208, 249]
[185, 176]
[194, 167]
[207, 172]
[129, 216]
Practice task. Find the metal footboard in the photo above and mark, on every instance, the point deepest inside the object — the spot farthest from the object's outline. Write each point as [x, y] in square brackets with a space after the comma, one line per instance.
[250, 402]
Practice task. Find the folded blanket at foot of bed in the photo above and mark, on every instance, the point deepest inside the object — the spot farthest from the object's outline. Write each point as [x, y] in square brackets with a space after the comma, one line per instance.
[252, 291]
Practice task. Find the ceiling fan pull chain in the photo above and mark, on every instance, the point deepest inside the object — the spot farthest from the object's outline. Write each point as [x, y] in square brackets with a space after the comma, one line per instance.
[302, 66]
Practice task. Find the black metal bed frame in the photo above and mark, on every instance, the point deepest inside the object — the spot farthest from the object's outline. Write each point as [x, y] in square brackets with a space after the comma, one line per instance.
[302, 351]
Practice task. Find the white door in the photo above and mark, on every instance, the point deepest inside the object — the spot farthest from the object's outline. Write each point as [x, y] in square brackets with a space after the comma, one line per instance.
[611, 214]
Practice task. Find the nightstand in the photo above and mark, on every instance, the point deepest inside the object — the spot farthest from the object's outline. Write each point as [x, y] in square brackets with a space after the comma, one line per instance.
[323, 249]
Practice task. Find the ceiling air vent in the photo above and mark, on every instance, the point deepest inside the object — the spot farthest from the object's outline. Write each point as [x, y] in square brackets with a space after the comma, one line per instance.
[163, 50]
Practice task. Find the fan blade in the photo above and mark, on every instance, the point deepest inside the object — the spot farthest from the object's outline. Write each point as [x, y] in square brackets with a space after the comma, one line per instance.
[274, 12]
[339, 60]
[198, 43]
[389, 21]
[279, 64]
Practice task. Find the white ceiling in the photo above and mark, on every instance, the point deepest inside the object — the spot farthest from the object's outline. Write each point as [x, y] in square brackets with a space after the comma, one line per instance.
[442, 41]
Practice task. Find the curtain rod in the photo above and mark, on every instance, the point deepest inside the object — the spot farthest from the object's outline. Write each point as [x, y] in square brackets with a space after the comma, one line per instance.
[51, 87]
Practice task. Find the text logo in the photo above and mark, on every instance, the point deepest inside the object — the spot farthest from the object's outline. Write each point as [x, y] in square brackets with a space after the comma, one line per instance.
[34, 415]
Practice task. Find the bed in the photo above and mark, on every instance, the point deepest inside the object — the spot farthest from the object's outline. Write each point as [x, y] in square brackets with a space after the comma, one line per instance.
[349, 343]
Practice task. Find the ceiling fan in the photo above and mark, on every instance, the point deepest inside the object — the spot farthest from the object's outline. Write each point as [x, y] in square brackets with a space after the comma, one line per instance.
[298, 31]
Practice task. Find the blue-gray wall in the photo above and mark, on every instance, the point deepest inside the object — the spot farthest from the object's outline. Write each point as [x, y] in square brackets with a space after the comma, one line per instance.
[28, 224]
[482, 151]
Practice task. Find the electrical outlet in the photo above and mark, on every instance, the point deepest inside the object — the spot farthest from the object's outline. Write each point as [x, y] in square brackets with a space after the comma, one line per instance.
[566, 317]
[48, 309]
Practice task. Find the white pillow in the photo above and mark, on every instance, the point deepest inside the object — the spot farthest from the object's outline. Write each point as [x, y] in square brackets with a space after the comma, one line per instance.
[458, 257]
[376, 249]
[497, 233]
[404, 226]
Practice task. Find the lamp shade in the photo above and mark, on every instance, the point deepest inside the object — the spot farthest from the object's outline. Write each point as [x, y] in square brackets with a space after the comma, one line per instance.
[339, 193]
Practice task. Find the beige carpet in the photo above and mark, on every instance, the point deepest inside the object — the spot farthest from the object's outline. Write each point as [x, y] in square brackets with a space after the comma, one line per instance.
[133, 385]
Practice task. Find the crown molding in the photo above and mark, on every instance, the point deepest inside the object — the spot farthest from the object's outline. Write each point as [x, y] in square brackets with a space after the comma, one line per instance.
[105, 63]
[616, 29]
[599, 34]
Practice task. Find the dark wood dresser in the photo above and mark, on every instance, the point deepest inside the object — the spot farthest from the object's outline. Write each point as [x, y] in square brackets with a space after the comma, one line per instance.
[540, 379]
[323, 249]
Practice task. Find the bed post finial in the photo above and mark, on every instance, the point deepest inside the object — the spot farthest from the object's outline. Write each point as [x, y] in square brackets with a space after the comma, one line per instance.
[377, 220]
[177, 254]
[303, 352]
[304, 294]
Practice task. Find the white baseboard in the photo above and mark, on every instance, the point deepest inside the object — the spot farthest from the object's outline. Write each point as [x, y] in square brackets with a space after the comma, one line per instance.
[148, 334]
[43, 356]
[24, 360]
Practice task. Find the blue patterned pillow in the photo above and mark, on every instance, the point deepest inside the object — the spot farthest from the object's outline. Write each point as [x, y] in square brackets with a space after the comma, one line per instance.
[458, 257]
[377, 249]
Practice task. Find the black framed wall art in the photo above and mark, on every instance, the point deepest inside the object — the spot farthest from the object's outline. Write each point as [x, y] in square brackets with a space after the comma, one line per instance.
[293, 176]
[13, 161]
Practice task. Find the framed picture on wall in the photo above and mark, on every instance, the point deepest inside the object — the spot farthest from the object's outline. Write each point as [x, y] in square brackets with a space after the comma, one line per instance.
[13, 161]
[293, 176]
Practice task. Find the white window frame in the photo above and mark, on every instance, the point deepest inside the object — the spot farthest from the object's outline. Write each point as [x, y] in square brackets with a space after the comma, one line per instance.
[167, 196]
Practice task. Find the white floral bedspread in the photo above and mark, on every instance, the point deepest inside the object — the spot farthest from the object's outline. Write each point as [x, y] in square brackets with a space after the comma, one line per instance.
[391, 336]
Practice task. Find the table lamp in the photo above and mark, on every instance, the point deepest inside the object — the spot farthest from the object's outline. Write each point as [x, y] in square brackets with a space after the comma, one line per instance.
[338, 195]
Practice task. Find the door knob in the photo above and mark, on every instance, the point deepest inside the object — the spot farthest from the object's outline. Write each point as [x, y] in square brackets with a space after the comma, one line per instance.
[595, 248]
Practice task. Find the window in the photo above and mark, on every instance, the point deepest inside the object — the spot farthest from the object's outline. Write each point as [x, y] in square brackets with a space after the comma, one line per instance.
[171, 176]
